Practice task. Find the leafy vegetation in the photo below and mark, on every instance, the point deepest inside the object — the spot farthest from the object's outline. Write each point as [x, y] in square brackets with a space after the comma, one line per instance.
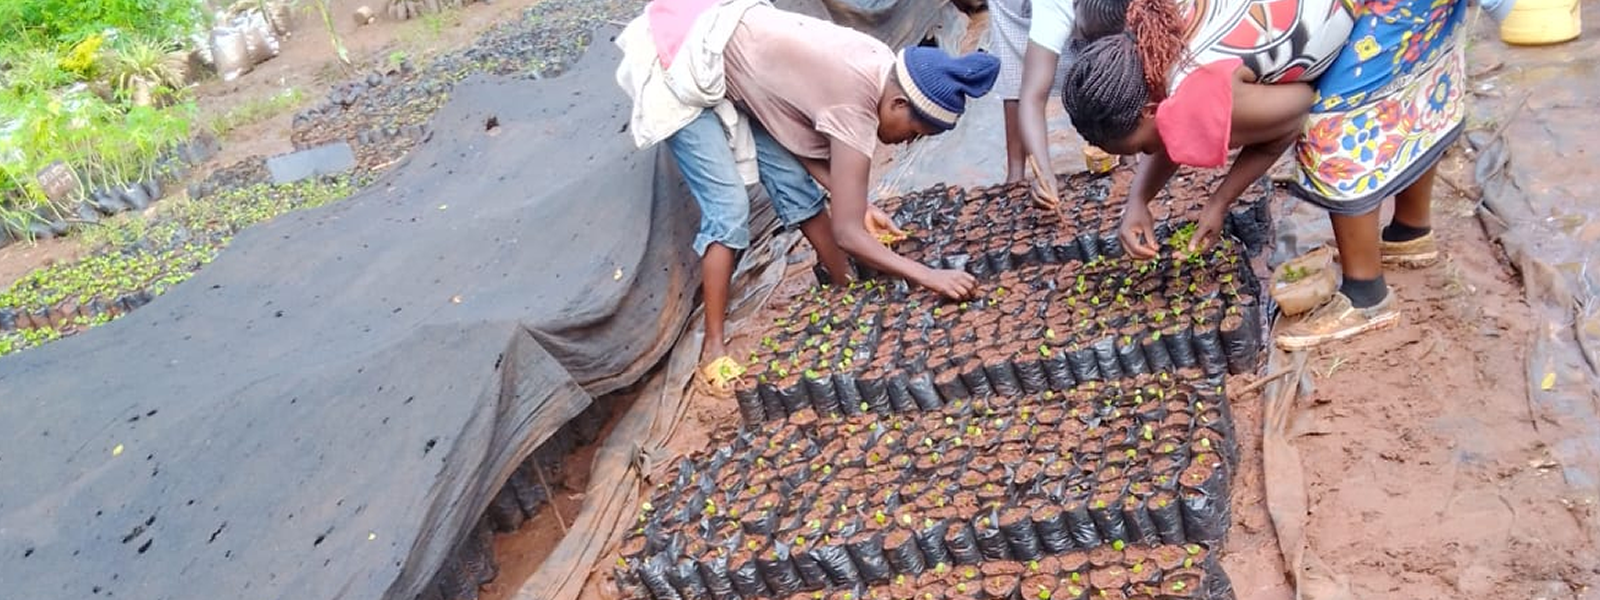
[256, 110]
[133, 254]
[96, 85]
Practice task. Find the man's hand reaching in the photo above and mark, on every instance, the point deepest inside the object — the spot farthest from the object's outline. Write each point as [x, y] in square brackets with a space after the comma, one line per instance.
[882, 227]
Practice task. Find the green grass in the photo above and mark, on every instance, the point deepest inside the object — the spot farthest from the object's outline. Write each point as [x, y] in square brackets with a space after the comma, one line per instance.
[256, 110]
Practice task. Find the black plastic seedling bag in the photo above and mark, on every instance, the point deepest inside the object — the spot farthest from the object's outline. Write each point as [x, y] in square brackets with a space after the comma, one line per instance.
[1031, 375]
[979, 267]
[1111, 245]
[794, 400]
[1155, 354]
[870, 559]
[1089, 245]
[685, 576]
[1058, 372]
[1002, 377]
[810, 569]
[1206, 516]
[718, 578]
[1105, 358]
[1141, 527]
[751, 410]
[957, 262]
[991, 542]
[780, 573]
[923, 392]
[1180, 346]
[835, 561]
[1067, 252]
[905, 556]
[1167, 518]
[952, 388]
[1208, 349]
[876, 395]
[899, 394]
[746, 578]
[1083, 363]
[1055, 534]
[1131, 357]
[844, 384]
[1241, 343]
[1000, 260]
[977, 381]
[1022, 539]
[823, 395]
[1081, 525]
[930, 539]
[1108, 519]
[654, 575]
[963, 543]
[1044, 252]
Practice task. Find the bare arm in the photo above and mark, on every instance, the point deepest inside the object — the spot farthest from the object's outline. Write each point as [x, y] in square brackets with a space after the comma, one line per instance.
[1266, 120]
[1038, 73]
[848, 170]
[1154, 171]
[818, 170]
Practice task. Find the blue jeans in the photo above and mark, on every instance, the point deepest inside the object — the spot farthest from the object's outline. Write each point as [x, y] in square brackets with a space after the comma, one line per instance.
[703, 155]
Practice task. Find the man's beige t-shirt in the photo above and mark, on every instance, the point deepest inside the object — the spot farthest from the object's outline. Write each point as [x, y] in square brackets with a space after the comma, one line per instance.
[806, 80]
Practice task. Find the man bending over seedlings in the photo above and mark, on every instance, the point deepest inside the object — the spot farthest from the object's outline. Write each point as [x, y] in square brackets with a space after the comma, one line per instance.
[822, 97]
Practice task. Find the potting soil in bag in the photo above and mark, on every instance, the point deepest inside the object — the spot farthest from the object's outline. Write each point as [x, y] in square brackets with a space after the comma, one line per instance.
[950, 386]
[1241, 343]
[1089, 245]
[1180, 345]
[871, 562]
[991, 543]
[1141, 528]
[1155, 353]
[1108, 519]
[900, 548]
[1044, 252]
[1167, 518]
[930, 539]
[1081, 525]
[1206, 515]
[962, 543]
[1000, 261]
[899, 393]
[1031, 375]
[823, 395]
[1017, 527]
[780, 573]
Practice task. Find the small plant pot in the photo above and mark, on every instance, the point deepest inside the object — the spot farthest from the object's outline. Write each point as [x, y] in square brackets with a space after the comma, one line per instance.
[1305, 282]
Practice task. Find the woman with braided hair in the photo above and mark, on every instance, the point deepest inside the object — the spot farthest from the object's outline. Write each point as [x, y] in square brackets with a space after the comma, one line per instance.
[1186, 81]
[1383, 109]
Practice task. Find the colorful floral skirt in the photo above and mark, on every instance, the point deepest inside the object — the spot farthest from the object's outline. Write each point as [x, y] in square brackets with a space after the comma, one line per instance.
[1388, 107]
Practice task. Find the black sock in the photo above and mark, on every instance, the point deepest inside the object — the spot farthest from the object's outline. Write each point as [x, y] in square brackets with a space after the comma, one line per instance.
[1401, 232]
[1364, 292]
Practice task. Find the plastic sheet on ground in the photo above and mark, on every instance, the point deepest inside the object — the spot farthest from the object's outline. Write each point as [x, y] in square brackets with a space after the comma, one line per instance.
[325, 410]
[898, 23]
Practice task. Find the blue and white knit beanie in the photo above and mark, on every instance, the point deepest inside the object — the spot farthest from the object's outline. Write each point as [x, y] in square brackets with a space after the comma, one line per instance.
[939, 85]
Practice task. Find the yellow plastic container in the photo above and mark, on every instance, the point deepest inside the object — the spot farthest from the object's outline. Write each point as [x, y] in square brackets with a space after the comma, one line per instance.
[1097, 160]
[1541, 22]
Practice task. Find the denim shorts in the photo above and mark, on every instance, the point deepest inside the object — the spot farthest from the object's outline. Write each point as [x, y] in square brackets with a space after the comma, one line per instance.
[703, 155]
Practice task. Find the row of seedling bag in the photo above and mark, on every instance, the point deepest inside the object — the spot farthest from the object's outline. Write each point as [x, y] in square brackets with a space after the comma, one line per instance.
[843, 501]
[990, 230]
[891, 349]
[1111, 572]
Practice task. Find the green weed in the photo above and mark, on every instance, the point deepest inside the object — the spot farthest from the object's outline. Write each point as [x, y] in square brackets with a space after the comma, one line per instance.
[256, 110]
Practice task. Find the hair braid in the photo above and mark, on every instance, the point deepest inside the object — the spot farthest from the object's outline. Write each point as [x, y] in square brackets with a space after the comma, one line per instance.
[1159, 30]
[1099, 18]
[1105, 89]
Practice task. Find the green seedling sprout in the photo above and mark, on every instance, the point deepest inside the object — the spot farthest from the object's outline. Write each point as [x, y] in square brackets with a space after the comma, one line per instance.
[1118, 545]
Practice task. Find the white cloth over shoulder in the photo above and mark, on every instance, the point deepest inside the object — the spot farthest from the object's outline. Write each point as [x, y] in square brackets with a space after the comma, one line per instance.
[664, 100]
